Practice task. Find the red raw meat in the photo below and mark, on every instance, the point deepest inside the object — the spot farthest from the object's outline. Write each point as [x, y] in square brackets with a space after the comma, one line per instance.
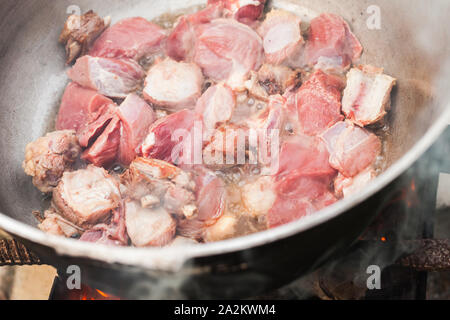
[302, 184]
[227, 50]
[90, 131]
[352, 149]
[304, 156]
[111, 77]
[136, 116]
[331, 39]
[299, 196]
[79, 106]
[132, 38]
[160, 143]
[181, 41]
[210, 193]
[318, 103]
[105, 149]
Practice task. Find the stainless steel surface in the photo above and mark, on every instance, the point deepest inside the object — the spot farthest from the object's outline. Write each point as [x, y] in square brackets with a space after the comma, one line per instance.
[413, 45]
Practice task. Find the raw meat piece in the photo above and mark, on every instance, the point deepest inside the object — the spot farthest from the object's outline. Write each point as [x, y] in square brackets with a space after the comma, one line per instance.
[352, 149]
[304, 156]
[87, 197]
[174, 85]
[227, 148]
[216, 106]
[49, 157]
[111, 77]
[295, 192]
[80, 32]
[114, 233]
[345, 187]
[133, 38]
[331, 42]
[105, 149]
[302, 184]
[210, 194]
[158, 183]
[149, 227]
[227, 50]
[367, 95]
[89, 132]
[181, 41]
[160, 142]
[136, 117]
[282, 36]
[299, 196]
[56, 225]
[79, 106]
[318, 102]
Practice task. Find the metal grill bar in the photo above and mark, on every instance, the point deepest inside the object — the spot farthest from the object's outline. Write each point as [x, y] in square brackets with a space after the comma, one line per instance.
[13, 253]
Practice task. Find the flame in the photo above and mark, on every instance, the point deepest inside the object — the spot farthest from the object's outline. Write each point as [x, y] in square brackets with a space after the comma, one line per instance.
[413, 185]
[88, 293]
[102, 293]
[383, 239]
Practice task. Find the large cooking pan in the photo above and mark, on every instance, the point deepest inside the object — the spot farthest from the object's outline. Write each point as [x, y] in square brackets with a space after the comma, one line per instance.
[413, 45]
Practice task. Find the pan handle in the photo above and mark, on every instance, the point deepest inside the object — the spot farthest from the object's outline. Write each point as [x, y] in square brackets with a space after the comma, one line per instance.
[13, 253]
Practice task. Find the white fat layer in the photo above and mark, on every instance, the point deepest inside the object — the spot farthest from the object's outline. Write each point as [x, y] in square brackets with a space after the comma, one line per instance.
[244, 3]
[219, 108]
[150, 140]
[172, 82]
[145, 226]
[377, 89]
[259, 197]
[359, 182]
[273, 42]
[224, 228]
[88, 192]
